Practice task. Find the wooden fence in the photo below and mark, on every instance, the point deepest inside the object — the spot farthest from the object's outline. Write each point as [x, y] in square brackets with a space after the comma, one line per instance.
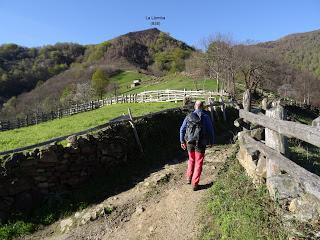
[273, 150]
[147, 96]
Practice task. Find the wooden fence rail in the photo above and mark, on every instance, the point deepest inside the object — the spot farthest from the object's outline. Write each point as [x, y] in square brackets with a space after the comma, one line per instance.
[303, 132]
[143, 97]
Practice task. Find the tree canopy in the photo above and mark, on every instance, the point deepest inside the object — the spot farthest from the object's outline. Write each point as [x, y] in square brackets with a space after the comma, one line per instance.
[99, 82]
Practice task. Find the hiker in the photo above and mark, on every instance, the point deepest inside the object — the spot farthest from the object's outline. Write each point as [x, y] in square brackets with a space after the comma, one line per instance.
[196, 132]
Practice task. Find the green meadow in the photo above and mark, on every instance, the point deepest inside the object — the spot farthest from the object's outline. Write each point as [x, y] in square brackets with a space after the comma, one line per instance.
[60, 127]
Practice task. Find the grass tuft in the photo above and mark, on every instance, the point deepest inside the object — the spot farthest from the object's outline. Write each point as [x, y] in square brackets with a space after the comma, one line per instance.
[11, 230]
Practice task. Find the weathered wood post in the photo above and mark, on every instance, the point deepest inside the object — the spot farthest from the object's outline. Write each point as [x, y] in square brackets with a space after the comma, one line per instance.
[264, 104]
[246, 100]
[316, 122]
[17, 122]
[274, 139]
[223, 109]
[210, 108]
[26, 121]
[135, 130]
[36, 118]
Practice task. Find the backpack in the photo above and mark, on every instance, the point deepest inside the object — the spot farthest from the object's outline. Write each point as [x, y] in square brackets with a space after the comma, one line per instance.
[194, 129]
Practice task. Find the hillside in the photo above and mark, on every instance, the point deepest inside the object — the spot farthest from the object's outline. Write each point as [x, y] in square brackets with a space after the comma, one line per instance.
[22, 68]
[42, 79]
[143, 48]
[301, 50]
[293, 66]
[150, 51]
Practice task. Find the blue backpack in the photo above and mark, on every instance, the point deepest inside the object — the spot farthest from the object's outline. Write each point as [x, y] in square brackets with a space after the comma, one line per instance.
[194, 129]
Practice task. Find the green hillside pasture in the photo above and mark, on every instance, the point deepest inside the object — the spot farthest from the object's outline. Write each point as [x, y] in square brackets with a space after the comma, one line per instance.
[60, 127]
[171, 81]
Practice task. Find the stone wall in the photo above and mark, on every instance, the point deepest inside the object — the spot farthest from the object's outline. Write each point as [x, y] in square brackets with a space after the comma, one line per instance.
[293, 187]
[26, 177]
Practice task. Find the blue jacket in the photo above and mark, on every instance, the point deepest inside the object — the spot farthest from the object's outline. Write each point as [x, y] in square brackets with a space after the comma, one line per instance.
[206, 127]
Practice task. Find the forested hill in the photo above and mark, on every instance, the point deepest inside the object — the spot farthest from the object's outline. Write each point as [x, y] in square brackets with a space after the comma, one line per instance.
[29, 76]
[300, 49]
[21, 68]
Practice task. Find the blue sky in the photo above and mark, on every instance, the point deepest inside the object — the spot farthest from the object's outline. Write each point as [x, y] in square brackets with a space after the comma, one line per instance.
[40, 22]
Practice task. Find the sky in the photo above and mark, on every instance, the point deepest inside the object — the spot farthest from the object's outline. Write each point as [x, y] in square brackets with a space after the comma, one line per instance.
[35, 23]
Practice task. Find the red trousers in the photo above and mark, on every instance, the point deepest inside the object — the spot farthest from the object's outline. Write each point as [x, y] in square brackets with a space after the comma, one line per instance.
[195, 166]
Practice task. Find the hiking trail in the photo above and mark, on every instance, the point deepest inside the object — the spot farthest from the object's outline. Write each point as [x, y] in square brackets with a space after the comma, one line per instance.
[162, 206]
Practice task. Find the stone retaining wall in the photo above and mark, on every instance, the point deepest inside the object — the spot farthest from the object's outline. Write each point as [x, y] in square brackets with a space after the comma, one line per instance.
[293, 187]
[25, 178]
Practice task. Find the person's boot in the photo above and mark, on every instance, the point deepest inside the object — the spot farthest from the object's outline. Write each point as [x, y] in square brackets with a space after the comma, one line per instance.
[195, 187]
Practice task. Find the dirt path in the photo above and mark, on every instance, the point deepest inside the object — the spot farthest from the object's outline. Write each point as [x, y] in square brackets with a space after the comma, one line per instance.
[162, 206]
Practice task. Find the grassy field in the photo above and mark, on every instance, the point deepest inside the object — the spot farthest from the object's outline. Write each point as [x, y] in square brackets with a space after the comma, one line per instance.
[60, 127]
[305, 155]
[171, 81]
[237, 210]
[38, 133]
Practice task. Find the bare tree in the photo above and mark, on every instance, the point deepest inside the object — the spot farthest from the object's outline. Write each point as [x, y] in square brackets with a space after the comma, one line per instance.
[253, 64]
[196, 69]
[83, 93]
[113, 87]
[220, 61]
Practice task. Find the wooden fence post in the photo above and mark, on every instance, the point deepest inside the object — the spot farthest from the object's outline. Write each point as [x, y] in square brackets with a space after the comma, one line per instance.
[274, 139]
[223, 109]
[264, 104]
[246, 101]
[135, 131]
[210, 108]
[36, 118]
[316, 122]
